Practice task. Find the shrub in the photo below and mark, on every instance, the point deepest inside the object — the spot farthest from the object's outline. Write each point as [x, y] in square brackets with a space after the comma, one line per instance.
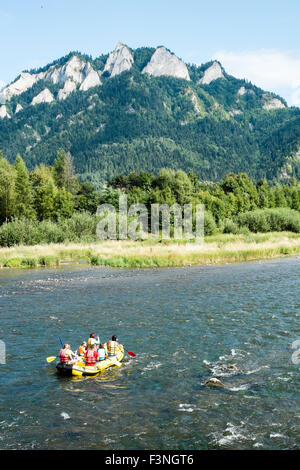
[230, 227]
[210, 226]
[48, 261]
[13, 263]
[29, 262]
[79, 227]
[271, 220]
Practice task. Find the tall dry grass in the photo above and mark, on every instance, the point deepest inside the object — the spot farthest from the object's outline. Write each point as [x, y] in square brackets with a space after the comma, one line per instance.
[220, 248]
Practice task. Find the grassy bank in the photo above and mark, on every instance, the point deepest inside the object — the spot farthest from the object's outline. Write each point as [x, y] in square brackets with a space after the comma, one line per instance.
[221, 248]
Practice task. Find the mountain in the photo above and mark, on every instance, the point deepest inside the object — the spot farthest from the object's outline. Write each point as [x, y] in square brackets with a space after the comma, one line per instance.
[145, 109]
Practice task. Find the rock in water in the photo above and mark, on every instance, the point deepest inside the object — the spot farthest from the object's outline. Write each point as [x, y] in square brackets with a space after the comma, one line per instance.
[214, 382]
[230, 367]
[164, 63]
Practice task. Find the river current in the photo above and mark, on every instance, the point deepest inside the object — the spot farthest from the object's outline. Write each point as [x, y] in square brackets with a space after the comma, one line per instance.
[183, 324]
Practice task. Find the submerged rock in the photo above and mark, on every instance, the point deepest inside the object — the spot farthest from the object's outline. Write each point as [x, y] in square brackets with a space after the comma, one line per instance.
[214, 382]
[230, 367]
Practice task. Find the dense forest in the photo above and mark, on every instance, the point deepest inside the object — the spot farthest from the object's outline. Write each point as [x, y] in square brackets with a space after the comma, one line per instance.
[50, 204]
[137, 122]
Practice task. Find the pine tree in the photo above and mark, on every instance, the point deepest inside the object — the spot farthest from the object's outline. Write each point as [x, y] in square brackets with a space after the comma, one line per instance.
[64, 173]
[23, 205]
[63, 204]
[59, 168]
[7, 190]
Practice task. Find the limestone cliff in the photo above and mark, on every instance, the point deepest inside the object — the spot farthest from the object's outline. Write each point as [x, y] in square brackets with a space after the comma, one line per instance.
[119, 60]
[3, 112]
[212, 73]
[273, 103]
[67, 89]
[44, 97]
[92, 79]
[164, 63]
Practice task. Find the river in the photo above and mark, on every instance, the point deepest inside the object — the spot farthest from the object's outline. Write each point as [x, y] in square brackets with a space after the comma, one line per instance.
[183, 324]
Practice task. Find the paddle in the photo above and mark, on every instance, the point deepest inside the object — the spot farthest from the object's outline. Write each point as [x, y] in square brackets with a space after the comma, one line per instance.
[51, 358]
[115, 361]
[130, 352]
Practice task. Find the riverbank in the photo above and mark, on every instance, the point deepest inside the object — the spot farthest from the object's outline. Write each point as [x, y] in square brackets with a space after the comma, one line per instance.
[217, 249]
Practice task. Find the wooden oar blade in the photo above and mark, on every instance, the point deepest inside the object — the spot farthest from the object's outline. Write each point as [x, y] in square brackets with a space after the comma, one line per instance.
[51, 358]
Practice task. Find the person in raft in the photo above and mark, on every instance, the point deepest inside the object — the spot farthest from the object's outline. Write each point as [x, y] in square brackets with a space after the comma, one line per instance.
[66, 355]
[113, 346]
[91, 356]
[102, 354]
[92, 340]
[82, 349]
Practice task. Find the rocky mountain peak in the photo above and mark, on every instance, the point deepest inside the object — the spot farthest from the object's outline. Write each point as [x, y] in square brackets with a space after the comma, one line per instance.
[119, 60]
[23, 83]
[75, 69]
[212, 73]
[44, 97]
[164, 63]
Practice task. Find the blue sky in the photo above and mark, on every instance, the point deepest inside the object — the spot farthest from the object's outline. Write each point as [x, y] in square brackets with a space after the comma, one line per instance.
[258, 40]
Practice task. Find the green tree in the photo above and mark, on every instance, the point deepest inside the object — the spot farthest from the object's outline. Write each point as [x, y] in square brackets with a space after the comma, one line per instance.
[63, 205]
[23, 193]
[64, 173]
[44, 192]
[7, 190]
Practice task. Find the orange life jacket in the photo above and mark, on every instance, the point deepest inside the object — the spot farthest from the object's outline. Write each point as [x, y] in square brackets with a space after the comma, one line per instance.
[81, 350]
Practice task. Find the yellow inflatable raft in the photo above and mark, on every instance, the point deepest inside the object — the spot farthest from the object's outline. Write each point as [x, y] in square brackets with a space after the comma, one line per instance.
[80, 369]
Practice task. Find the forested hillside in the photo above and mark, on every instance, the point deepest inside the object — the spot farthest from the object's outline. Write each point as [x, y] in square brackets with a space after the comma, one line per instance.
[115, 119]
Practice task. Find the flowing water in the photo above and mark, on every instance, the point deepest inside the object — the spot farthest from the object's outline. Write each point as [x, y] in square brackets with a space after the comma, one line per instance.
[183, 324]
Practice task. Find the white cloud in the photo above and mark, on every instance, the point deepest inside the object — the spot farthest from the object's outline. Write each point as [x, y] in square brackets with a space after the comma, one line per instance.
[269, 69]
[2, 83]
